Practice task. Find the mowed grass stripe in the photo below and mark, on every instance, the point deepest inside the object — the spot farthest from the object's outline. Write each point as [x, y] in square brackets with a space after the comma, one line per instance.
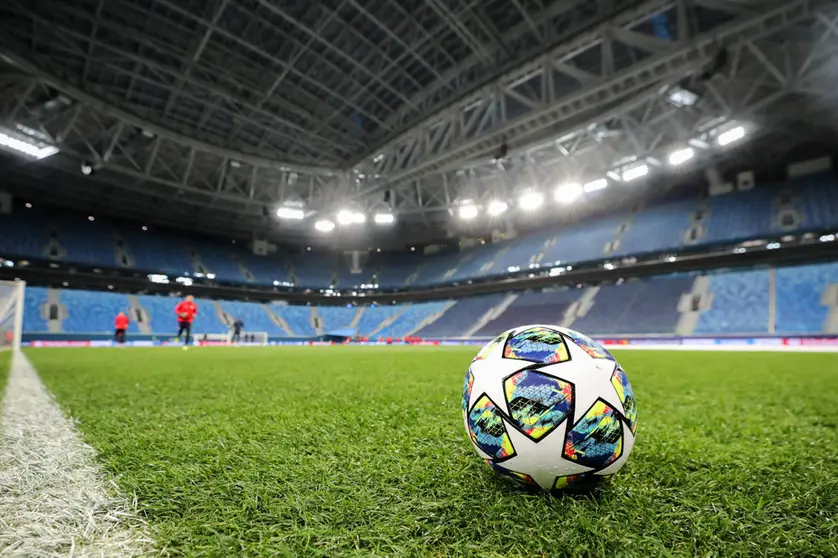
[343, 451]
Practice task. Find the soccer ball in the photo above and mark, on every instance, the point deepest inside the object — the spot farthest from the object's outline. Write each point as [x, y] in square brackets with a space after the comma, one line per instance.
[550, 408]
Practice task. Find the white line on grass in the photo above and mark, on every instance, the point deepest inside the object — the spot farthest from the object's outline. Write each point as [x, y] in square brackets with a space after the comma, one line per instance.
[54, 499]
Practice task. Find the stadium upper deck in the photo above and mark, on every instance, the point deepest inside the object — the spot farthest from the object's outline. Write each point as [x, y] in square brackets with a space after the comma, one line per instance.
[805, 204]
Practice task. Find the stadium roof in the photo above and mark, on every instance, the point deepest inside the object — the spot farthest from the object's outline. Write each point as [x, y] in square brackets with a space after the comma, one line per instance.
[230, 109]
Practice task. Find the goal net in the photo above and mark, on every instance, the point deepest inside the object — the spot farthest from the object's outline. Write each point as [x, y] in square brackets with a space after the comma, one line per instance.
[11, 313]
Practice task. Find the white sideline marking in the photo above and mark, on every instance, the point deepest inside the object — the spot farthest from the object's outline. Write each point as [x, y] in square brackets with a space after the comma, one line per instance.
[54, 499]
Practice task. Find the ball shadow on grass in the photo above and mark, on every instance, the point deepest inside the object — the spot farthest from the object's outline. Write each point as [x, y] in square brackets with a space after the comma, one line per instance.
[587, 488]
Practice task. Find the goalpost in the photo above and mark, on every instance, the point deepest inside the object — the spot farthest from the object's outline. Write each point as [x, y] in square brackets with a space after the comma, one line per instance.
[11, 313]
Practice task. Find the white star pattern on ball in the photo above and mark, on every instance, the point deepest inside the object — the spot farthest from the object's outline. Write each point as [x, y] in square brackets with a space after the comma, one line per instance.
[538, 460]
[488, 379]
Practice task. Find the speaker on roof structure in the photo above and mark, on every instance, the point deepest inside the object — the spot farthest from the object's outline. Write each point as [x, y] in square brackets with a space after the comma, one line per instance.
[745, 180]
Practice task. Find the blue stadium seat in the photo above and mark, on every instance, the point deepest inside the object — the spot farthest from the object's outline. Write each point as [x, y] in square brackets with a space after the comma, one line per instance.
[88, 242]
[265, 269]
[583, 241]
[740, 303]
[373, 316]
[798, 301]
[461, 317]
[434, 268]
[393, 271]
[23, 234]
[740, 215]
[410, 318]
[254, 315]
[162, 318]
[475, 261]
[298, 319]
[647, 306]
[519, 251]
[218, 260]
[335, 318]
[658, 228]
[94, 312]
[313, 270]
[817, 198]
[155, 251]
[34, 299]
[532, 308]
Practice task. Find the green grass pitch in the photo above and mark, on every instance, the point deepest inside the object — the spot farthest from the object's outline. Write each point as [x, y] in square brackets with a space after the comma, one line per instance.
[353, 451]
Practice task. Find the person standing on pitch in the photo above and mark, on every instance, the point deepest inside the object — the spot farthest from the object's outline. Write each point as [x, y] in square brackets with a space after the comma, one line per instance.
[186, 311]
[238, 326]
[120, 326]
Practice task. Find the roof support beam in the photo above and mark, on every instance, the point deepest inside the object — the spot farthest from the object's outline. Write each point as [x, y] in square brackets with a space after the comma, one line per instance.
[202, 44]
[672, 64]
[284, 15]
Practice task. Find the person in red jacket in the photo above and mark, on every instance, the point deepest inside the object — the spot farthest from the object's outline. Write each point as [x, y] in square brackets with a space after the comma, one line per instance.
[186, 311]
[121, 326]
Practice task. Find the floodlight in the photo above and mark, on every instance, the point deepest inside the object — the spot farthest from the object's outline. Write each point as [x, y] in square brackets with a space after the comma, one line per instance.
[531, 200]
[384, 218]
[595, 185]
[36, 151]
[286, 212]
[497, 207]
[86, 168]
[635, 172]
[346, 217]
[682, 97]
[731, 135]
[324, 225]
[567, 193]
[468, 211]
[681, 156]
